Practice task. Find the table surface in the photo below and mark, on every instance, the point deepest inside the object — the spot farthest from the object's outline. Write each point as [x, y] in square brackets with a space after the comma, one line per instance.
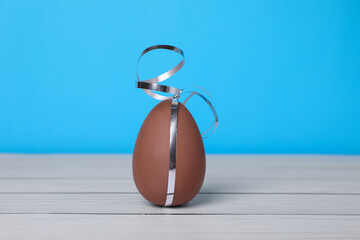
[243, 196]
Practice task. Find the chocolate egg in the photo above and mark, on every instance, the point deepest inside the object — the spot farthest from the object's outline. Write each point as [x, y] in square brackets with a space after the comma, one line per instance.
[152, 151]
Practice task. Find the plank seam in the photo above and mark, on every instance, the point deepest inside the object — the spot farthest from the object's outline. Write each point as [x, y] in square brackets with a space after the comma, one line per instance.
[179, 214]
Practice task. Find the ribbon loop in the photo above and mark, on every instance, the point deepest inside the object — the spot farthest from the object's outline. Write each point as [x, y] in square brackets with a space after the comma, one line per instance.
[211, 106]
[152, 82]
[151, 85]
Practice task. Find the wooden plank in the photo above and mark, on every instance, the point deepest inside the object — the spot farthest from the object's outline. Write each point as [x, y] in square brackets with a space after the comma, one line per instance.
[242, 204]
[74, 227]
[212, 184]
[260, 167]
[225, 173]
[55, 166]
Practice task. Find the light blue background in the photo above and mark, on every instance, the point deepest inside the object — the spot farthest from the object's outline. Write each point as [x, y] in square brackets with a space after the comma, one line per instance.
[285, 74]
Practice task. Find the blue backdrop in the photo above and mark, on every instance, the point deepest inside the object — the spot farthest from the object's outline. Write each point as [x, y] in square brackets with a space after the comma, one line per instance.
[285, 75]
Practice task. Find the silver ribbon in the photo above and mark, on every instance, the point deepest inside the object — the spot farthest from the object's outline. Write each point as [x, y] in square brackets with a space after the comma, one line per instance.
[172, 157]
[151, 85]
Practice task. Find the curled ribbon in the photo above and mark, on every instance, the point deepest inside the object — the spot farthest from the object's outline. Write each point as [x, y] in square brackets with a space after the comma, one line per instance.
[152, 84]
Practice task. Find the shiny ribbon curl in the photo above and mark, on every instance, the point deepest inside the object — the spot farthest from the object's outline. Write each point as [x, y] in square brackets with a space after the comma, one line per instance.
[152, 84]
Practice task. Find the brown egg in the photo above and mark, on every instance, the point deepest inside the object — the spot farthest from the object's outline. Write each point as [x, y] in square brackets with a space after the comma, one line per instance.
[151, 156]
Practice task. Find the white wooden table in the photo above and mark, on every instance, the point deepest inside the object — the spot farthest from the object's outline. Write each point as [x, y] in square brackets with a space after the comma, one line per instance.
[243, 197]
